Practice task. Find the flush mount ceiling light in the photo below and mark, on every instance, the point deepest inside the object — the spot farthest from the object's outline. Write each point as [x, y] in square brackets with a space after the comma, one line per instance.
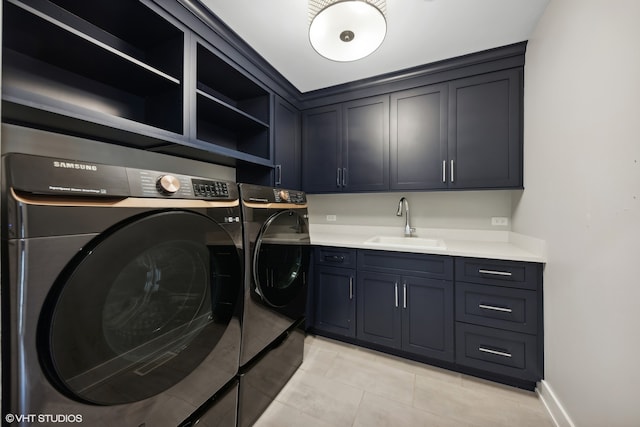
[347, 30]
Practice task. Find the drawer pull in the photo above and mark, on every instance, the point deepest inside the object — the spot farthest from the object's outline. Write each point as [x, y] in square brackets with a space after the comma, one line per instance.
[494, 308]
[334, 258]
[496, 273]
[496, 352]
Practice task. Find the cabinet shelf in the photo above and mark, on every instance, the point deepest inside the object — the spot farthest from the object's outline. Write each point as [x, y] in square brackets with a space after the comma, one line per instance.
[225, 113]
[228, 84]
[51, 53]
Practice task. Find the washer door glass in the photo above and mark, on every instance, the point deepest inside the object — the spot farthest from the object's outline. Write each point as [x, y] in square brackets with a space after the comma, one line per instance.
[281, 258]
[140, 307]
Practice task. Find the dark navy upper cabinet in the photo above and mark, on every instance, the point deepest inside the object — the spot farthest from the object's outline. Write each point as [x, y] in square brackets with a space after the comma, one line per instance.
[485, 131]
[322, 149]
[461, 134]
[365, 152]
[419, 138]
[345, 147]
[286, 145]
[465, 134]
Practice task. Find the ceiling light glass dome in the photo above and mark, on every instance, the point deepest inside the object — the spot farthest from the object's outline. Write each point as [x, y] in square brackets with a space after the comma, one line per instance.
[347, 30]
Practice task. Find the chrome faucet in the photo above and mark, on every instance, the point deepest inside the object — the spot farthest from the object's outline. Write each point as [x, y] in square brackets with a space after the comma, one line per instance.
[408, 230]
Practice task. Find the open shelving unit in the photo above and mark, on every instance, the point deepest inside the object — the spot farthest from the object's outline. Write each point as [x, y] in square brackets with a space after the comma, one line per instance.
[63, 56]
[123, 72]
[231, 110]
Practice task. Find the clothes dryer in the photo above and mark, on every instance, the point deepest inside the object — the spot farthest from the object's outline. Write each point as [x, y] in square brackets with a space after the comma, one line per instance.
[276, 239]
[121, 293]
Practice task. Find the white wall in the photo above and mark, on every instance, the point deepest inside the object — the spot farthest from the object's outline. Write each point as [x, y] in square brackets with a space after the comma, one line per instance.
[452, 210]
[582, 180]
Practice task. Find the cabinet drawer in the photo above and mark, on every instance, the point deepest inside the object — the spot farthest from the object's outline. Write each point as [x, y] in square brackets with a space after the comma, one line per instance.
[512, 309]
[421, 265]
[501, 352]
[337, 257]
[515, 274]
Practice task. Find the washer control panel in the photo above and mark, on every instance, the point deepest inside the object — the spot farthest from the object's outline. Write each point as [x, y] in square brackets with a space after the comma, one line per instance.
[149, 183]
[168, 184]
[79, 178]
[207, 188]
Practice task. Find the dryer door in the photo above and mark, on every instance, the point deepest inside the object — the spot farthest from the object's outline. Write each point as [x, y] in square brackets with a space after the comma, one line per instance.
[281, 258]
[140, 307]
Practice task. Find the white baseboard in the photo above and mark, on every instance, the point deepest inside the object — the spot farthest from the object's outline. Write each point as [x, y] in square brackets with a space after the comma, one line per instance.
[551, 402]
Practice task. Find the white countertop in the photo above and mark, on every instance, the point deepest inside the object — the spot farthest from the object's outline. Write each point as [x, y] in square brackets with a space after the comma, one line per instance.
[504, 245]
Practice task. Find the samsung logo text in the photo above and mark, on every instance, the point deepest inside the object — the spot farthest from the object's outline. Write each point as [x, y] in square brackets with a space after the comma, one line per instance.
[79, 166]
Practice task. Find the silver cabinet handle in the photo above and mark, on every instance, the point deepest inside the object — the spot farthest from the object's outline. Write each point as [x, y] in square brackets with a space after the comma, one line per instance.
[396, 285]
[496, 273]
[404, 295]
[452, 163]
[497, 353]
[444, 171]
[344, 177]
[351, 287]
[338, 180]
[278, 175]
[495, 308]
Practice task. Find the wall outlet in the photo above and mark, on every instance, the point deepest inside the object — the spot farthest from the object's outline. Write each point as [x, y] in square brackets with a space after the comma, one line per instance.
[331, 218]
[500, 221]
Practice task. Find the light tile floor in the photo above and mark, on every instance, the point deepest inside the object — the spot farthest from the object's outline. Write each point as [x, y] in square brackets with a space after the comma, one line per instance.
[344, 385]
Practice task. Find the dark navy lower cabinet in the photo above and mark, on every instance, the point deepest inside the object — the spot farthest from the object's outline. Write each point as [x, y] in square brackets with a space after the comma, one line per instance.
[499, 327]
[379, 316]
[484, 320]
[334, 292]
[427, 317]
[497, 351]
[412, 313]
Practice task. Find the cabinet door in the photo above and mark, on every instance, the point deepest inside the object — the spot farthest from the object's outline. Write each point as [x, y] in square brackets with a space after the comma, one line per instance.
[427, 317]
[419, 138]
[321, 149]
[378, 309]
[485, 135]
[286, 141]
[365, 153]
[335, 300]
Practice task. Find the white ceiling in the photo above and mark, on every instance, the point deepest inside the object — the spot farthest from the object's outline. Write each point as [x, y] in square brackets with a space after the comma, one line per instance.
[418, 32]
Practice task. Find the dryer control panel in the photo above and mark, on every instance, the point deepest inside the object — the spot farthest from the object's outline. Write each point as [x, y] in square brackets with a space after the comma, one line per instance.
[289, 196]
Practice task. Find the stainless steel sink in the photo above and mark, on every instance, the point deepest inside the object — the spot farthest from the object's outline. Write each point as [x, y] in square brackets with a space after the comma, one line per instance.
[407, 242]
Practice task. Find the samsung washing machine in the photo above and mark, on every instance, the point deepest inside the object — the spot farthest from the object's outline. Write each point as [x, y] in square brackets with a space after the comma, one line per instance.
[121, 292]
[277, 252]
